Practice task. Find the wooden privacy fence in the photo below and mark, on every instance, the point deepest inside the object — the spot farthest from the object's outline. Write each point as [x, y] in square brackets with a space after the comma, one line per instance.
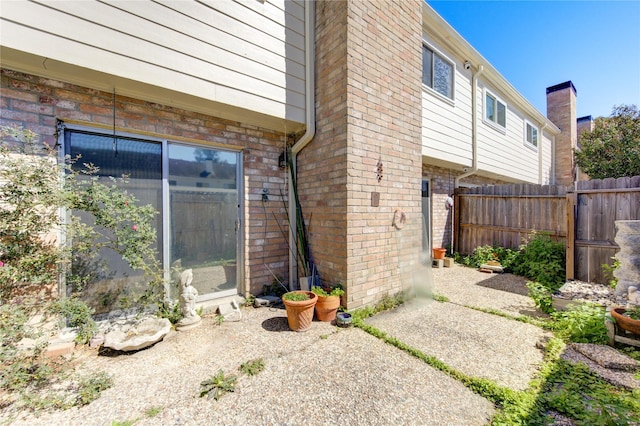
[583, 218]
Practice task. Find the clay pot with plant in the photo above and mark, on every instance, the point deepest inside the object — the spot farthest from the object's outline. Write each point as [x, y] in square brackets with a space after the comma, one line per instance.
[627, 319]
[299, 305]
[328, 302]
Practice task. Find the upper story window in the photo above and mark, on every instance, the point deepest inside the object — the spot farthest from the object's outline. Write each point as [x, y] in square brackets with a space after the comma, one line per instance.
[530, 134]
[437, 72]
[495, 110]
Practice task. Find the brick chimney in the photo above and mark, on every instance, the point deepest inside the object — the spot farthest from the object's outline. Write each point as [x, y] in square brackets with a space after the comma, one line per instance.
[561, 110]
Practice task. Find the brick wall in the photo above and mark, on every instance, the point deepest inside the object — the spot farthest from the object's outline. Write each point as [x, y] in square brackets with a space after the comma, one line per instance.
[442, 185]
[369, 104]
[561, 110]
[35, 103]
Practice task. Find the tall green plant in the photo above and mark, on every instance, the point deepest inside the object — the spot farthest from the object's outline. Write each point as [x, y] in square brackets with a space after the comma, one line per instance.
[543, 261]
[302, 248]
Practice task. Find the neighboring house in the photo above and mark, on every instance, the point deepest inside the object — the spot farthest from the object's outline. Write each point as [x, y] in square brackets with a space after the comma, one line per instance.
[198, 100]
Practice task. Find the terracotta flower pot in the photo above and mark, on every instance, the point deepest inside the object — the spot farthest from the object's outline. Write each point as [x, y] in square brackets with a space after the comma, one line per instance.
[300, 313]
[327, 307]
[625, 322]
[438, 253]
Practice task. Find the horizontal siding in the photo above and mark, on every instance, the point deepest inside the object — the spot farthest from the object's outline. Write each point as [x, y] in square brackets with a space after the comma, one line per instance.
[505, 153]
[446, 128]
[245, 54]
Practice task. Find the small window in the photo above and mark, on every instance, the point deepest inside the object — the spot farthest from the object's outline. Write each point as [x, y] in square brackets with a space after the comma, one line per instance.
[437, 72]
[531, 134]
[495, 111]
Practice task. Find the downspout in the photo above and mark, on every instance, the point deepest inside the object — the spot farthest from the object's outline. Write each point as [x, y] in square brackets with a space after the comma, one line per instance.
[540, 139]
[310, 118]
[474, 128]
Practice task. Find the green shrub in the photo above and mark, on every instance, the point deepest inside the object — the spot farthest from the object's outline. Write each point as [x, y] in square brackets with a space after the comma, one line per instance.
[581, 323]
[78, 315]
[609, 270]
[296, 296]
[541, 295]
[483, 254]
[542, 260]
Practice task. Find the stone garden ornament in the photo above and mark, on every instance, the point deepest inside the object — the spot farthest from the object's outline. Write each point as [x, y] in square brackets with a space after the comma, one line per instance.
[190, 317]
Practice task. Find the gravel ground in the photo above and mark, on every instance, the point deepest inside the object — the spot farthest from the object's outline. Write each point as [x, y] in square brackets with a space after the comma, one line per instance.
[325, 375]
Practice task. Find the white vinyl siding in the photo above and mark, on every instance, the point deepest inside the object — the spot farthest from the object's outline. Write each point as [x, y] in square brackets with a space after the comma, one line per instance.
[244, 54]
[495, 110]
[438, 73]
[503, 152]
[446, 126]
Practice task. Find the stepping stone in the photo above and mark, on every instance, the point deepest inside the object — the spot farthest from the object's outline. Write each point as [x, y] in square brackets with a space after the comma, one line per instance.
[607, 356]
[619, 378]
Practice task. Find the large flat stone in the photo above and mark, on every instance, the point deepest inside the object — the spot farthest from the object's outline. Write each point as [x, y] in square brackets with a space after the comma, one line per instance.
[134, 335]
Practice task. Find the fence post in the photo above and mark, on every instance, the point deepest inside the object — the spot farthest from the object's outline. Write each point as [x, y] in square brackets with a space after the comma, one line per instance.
[570, 246]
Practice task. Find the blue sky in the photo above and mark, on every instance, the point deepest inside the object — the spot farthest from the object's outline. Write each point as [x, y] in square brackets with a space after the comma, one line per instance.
[537, 44]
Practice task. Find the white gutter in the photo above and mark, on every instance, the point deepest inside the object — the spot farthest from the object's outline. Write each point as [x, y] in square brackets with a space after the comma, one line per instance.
[310, 118]
[474, 128]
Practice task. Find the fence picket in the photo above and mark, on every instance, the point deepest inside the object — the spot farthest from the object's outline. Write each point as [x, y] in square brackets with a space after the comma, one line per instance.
[583, 218]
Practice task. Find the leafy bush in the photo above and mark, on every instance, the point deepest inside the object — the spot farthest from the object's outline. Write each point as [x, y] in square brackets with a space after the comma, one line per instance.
[78, 314]
[581, 323]
[542, 260]
[483, 254]
[609, 270]
[34, 187]
[541, 295]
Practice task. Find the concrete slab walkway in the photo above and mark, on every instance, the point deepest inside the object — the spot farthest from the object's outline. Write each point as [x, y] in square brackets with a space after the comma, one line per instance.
[323, 376]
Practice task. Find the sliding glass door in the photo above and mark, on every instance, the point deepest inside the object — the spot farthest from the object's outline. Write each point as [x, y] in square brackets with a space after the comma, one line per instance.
[195, 190]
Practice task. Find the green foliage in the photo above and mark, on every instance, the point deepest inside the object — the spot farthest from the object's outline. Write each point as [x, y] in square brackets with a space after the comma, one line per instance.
[633, 313]
[610, 269]
[572, 390]
[483, 254]
[296, 296]
[90, 387]
[170, 311]
[542, 260]
[612, 149]
[440, 298]
[20, 368]
[35, 188]
[216, 386]
[334, 291]
[78, 315]
[253, 367]
[152, 411]
[541, 295]
[276, 288]
[581, 323]
[219, 319]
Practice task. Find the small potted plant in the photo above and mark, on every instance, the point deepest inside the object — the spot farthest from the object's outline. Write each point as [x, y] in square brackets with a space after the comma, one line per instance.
[299, 305]
[328, 302]
[627, 319]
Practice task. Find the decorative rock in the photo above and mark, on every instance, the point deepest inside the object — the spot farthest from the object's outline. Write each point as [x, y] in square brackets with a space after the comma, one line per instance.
[628, 239]
[230, 311]
[634, 295]
[132, 335]
[607, 356]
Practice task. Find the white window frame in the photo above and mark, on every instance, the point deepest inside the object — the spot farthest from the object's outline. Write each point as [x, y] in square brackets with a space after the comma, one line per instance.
[445, 59]
[494, 122]
[535, 128]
